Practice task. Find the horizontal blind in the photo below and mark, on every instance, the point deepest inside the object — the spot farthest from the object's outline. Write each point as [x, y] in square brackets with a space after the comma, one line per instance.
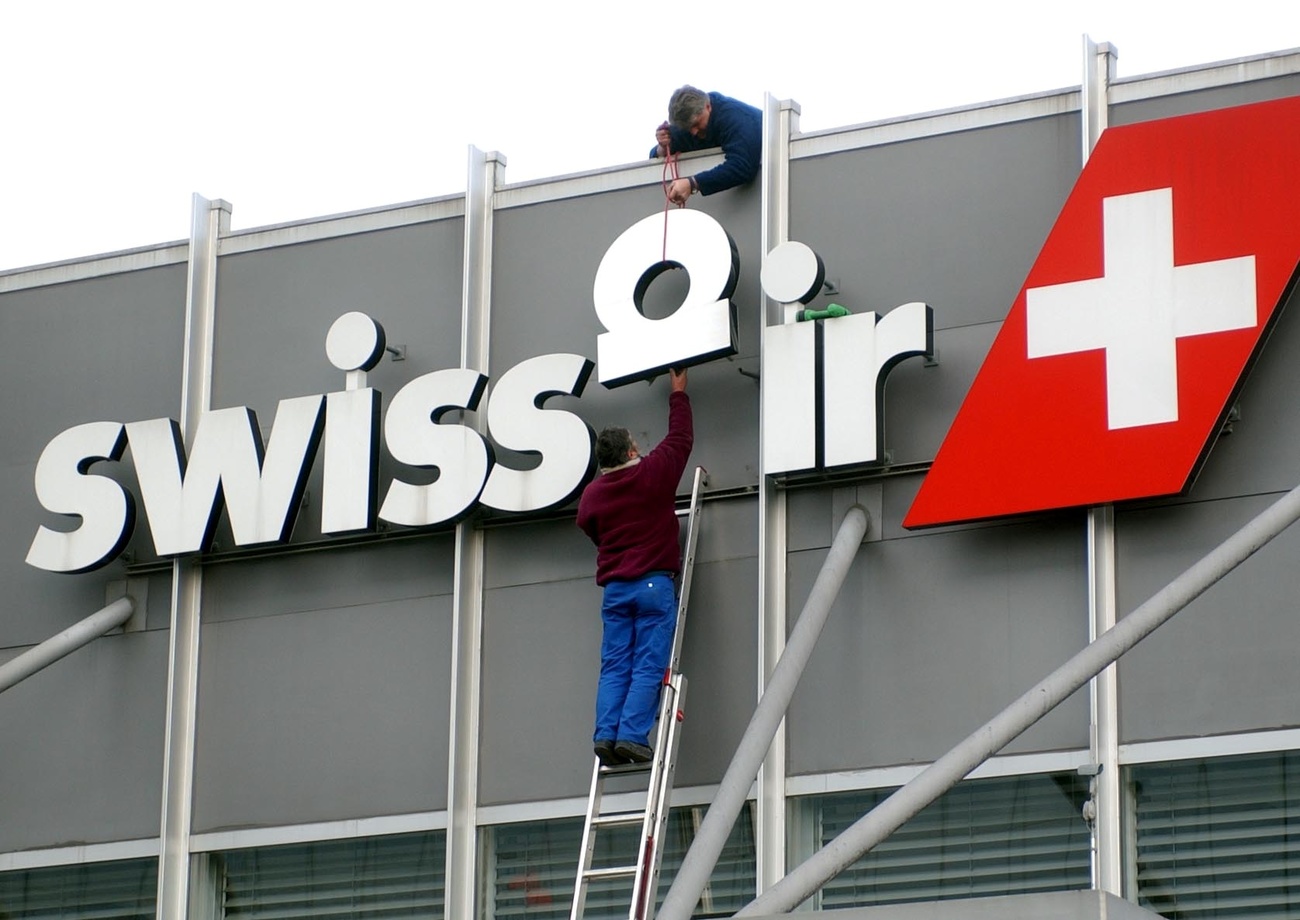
[1219, 838]
[125, 890]
[1016, 835]
[535, 865]
[400, 876]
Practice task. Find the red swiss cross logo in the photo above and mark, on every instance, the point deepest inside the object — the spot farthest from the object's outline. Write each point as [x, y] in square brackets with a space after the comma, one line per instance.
[1120, 358]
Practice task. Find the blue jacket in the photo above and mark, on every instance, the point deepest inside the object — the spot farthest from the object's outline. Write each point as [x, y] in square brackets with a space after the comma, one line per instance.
[737, 128]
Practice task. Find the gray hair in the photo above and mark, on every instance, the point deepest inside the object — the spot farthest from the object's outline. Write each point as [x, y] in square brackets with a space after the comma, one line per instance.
[685, 105]
[613, 447]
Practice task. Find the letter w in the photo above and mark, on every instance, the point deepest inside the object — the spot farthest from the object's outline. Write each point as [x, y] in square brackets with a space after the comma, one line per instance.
[262, 488]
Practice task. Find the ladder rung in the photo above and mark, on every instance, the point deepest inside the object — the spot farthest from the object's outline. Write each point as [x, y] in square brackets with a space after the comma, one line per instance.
[611, 872]
[627, 819]
[622, 768]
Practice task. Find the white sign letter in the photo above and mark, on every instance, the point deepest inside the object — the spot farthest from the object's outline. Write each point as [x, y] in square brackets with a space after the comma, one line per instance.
[518, 420]
[226, 459]
[461, 457]
[65, 485]
[350, 473]
[702, 328]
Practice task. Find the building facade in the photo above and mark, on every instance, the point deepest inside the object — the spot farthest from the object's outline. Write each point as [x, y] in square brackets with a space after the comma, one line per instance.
[394, 720]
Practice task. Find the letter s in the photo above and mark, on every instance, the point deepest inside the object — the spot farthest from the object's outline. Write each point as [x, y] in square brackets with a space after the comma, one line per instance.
[64, 485]
[518, 420]
[415, 438]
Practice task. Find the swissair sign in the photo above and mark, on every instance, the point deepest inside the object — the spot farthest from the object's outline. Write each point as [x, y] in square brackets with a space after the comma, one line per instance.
[1120, 358]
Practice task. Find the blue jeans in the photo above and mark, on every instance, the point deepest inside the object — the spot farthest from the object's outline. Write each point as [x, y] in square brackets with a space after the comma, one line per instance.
[639, 617]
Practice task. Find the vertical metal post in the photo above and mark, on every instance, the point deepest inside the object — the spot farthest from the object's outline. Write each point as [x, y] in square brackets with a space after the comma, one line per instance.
[210, 221]
[1099, 70]
[780, 121]
[485, 170]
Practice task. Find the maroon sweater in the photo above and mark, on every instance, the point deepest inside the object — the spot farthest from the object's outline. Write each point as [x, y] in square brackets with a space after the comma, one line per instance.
[630, 513]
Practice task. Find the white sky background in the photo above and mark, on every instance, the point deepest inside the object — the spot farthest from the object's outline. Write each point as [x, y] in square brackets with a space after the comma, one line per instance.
[115, 112]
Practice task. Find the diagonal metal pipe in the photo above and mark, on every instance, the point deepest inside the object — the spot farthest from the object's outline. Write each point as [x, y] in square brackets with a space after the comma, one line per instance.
[995, 734]
[65, 643]
[716, 826]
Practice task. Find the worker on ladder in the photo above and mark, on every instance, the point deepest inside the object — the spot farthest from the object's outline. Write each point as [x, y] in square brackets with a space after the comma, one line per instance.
[629, 512]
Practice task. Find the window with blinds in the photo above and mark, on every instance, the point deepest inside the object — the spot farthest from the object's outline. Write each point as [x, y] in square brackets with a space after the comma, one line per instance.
[125, 890]
[1015, 835]
[532, 866]
[1219, 838]
[390, 877]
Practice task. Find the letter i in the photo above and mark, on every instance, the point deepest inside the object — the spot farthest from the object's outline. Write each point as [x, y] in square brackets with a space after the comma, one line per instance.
[351, 469]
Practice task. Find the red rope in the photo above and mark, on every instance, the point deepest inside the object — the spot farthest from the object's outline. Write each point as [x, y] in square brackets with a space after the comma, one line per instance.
[670, 175]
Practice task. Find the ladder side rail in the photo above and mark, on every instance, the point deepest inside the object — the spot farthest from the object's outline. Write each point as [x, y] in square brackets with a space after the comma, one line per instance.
[588, 844]
[665, 797]
[688, 565]
[653, 804]
[658, 793]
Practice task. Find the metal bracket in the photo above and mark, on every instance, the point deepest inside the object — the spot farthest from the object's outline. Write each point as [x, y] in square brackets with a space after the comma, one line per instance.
[1234, 416]
[136, 588]
[397, 351]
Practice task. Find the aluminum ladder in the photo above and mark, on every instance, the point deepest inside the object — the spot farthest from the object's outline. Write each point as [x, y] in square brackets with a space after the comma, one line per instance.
[643, 869]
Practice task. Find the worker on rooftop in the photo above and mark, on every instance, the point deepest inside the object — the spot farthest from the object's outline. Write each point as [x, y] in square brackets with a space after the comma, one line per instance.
[697, 121]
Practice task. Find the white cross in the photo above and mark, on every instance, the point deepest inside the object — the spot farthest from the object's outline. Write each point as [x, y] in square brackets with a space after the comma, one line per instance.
[1139, 308]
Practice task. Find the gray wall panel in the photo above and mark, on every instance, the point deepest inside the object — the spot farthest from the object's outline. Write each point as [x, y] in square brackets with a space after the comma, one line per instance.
[810, 522]
[544, 551]
[1260, 453]
[544, 266]
[718, 659]
[541, 658]
[728, 530]
[275, 307]
[106, 349]
[83, 746]
[323, 715]
[921, 401]
[541, 653]
[1227, 662]
[38, 604]
[930, 637]
[1204, 100]
[954, 220]
[335, 578]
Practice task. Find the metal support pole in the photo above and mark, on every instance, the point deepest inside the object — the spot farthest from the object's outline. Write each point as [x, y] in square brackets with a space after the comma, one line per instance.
[65, 643]
[991, 737]
[730, 799]
[1098, 72]
[780, 121]
[467, 582]
[210, 221]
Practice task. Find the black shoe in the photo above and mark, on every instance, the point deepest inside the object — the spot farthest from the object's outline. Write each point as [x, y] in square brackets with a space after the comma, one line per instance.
[604, 749]
[631, 752]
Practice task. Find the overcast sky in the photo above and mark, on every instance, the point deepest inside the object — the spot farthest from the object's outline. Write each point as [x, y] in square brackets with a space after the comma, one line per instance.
[115, 112]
